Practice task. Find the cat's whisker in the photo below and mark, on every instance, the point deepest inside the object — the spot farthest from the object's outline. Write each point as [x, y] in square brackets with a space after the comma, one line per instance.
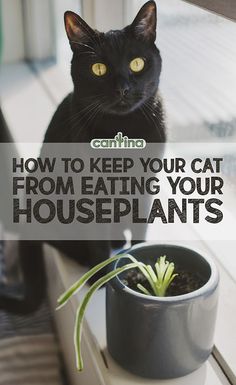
[149, 117]
[76, 124]
[89, 106]
[95, 117]
[149, 113]
[92, 116]
[154, 119]
[153, 111]
[100, 104]
[68, 121]
[75, 115]
[84, 114]
[73, 120]
[81, 111]
[99, 109]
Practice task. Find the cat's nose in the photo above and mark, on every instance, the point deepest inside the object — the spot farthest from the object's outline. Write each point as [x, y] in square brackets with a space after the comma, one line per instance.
[122, 91]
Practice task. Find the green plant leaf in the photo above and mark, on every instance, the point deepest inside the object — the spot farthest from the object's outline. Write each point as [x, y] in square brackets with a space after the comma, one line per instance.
[63, 299]
[143, 289]
[161, 268]
[151, 273]
[81, 310]
[159, 283]
[143, 268]
[169, 271]
[165, 275]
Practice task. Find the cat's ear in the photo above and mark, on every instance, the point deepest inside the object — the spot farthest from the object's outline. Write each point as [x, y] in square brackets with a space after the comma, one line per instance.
[144, 25]
[76, 28]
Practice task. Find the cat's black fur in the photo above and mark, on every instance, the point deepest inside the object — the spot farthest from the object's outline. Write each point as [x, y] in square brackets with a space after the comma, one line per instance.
[119, 101]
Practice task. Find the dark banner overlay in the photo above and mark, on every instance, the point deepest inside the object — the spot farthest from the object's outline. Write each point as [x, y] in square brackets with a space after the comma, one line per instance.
[98, 191]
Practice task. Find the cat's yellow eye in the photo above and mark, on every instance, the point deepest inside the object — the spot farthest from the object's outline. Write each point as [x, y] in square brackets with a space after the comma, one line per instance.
[99, 69]
[137, 64]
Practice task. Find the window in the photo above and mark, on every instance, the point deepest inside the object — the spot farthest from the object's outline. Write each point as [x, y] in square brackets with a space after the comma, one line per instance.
[11, 14]
[198, 85]
[226, 8]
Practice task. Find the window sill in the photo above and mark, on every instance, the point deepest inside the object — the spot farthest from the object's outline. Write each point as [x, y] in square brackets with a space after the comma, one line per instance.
[29, 95]
[100, 368]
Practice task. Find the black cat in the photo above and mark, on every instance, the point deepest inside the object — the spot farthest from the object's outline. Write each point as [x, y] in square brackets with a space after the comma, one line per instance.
[116, 78]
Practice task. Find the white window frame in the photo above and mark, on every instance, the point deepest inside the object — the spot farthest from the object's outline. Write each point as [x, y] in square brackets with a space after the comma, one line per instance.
[13, 44]
[94, 11]
[226, 8]
[42, 43]
[37, 43]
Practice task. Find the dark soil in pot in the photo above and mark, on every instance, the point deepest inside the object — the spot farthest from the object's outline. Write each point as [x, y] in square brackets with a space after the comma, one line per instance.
[184, 283]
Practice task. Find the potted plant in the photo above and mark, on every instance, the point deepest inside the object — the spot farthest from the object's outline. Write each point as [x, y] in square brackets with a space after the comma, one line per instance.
[161, 306]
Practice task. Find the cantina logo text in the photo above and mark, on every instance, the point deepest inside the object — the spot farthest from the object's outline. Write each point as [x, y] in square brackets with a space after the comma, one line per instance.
[119, 142]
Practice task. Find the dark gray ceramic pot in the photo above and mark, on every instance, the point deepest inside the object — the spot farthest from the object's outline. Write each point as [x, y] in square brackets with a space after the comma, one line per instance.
[163, 337]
